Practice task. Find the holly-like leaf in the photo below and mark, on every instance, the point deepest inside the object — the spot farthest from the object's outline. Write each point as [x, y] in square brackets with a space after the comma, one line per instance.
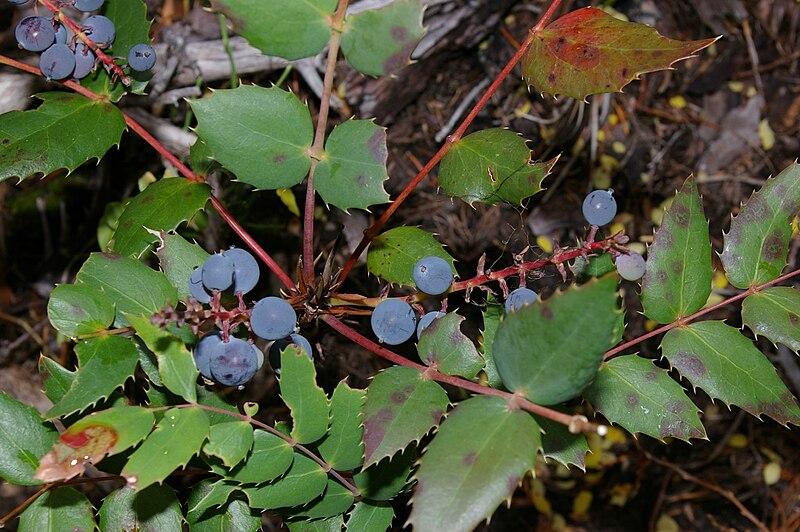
[443, 345]
[269, 458]
[775, 314]
[77, 309]
[757, 244]
[63, 508]
[551, 350]
[207, 495]
[342, 446]
[153, 509]
[179, 436]
[105, 363]
[178, 258]
[370, 516]
[236, 516]
[641, 397]
[726, 365]
[393, 254]
[335, 501]
[492, 166]
[678, 277]
[304, 482]
[290, 29]
[328, 524]
[131, 286]
[305, 399]
[588, 51]
[57, 379]
[466, 473]
[261, 135]
[559, 444]
[384, 480]
[24, 438]
[162, 206]
[93, 438]
[492, 316]
[353, 168]
[401, 408]
[380, 41]
[63, 133]
[230, 442]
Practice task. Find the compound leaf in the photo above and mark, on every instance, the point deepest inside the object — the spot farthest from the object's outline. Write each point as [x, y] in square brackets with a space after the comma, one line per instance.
[207, 495]
[304, 482]
[77, 309]
[152, 509]
[343, 446]
[305, 399]
[444, 346]
[24, 438]
[393, 254]
[328, 524]
[370, 516]
[559, 444]
[57, 379]
[775, 314]
[268, 459]
[335, 501]
[178, 258]
[230, 442]
[384, 480]
[237, 516]
[64, 508]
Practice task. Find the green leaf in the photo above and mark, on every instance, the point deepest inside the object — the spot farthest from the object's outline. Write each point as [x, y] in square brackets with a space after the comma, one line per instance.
[304, 482]
[641, 397]
[153, 509]
[551, 350]
[178, 258]
[63, 508]
[175, 363]
[757, 245]
[492, 316]
[207, 495]
[108, 223]
[443, 346]
[353, 168]
[57, 379]
[330, 524]
[305, 399]
[775, 314]
[401, 408]
[384, 480]
[106, 362]
[368, 516]
[269, 458]
[726, 365]
[342, 447]
[393, 254]
[678, 277]
[492, 166]
[380, 41]
[236, 517]
[64, 132]
[559, 444]
[288, 29]
[596, 266]
[149, 363]
[179, 436]
[209, 397]
[133, 287]
[131, 424]
[335, 501]
[230, 442]
[272, 130]
[162, 206]
[24, 438]
[77, 309]
[466, 473]
[588, 51]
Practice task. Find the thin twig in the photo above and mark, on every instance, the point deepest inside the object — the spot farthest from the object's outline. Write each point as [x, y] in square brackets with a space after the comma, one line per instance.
[23, 505]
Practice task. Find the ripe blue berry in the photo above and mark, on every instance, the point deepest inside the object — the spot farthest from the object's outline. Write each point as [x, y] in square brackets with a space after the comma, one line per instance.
[599, 207]
[519, 298]
[218, 272]
[203, 351]
[61, 32]
[196, 288]
[100, 29]
[245, 270]
[277, 347]
[142, 57]
[88, 5]
[84, 61]
[273, 318]
[433, 275]
[393, 321]
[630, 267]
[35, 34]
[233, 363]
[427, 319]
[259, 355]
[57, 62]
[18, 2]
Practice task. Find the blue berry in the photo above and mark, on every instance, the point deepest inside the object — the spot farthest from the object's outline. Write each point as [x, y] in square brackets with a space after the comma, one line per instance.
[599, 207]
[57, 62]
[35, 34]
[203, 351]
[245, 270]
[142, 57]
[18, 2]
[259, 355]
[519, 298]
[233, 363]
[88, 5]
[630, 267]
[273, 318]
[196, 288]
[393, 321]
[61, 32]
[218, 272]
[100, 29]
[84, 62]
[433, 275]
[277, 347]
[427, 319]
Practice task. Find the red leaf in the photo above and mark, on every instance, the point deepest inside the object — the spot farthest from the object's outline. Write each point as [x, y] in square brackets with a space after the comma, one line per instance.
[75, 448]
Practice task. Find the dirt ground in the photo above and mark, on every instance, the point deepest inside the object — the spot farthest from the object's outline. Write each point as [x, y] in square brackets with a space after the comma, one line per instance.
[731, 116]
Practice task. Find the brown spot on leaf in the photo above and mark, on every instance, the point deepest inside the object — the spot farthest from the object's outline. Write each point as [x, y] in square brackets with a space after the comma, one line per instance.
[688, 364]
[773, 247]
[377, 146]
[661, 276]
[632, 400]
[681, 214]
[400, 59]
[651, 375]
[5, 141]
[398, 33]
[546, 312]
[794, 319]
[374, 430]
[551, 77]
[625, 73]
[399, 397]
[676, 407]
[470, 458]
[279, 158]
[437, 415]
[677, 267]
[362, 180]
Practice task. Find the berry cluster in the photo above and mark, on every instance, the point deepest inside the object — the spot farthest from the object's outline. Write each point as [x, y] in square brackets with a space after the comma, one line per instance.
[63, 54]
[599, 208]
[226, 359]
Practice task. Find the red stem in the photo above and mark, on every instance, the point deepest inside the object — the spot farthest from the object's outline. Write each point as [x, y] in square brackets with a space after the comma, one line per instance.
[376, 227]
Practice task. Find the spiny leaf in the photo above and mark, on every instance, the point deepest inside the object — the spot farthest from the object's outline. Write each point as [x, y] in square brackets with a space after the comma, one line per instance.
[353, 168]
[64, 508]
[726, 365]
[57, 379]
[466, 473]
[559, 444]
[304, 482]
[370, 516]
[572, 329]
[328, 524]
[335, 501]
[343, 447]
[230, 442]
[384, 480]
[64, 132]
[678, 277]
[393, 254]
[380, 41]
[206, 495]
[641, 397]
[77, 309]
[588, 51]
[757, 244]
[444, 346]
[492, 166]
[775, 314]
[24, 438]
[492, 316]
[178, 258]
[153, 509]
[269, 458]
[261, 135]
[305, 399]
[401, 408]
[237, 516]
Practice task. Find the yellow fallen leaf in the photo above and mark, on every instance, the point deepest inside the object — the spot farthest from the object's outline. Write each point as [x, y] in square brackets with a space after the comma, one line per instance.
[736, 86]
[544, 243]
[287, 198]
[738, 441]
[581, 505]
[766, 135]
[720, 281]
[618, 147]
[678, 102]
[650, 325]
[667, 524]
[146, 179]
[771, 473]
